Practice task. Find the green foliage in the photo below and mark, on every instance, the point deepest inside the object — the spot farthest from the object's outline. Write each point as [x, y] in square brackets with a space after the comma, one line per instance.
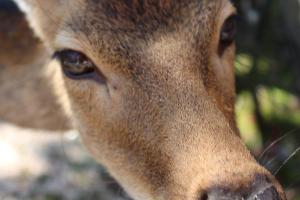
[267, 69]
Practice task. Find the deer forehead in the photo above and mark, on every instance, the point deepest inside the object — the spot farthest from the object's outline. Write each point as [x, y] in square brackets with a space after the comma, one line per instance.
[122, 31]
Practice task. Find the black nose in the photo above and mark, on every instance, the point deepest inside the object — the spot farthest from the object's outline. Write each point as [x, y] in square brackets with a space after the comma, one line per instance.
[260, 189]
[268, 193]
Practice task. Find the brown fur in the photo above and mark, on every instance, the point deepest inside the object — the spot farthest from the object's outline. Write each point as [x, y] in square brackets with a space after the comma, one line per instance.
[163, 123]
[26, 96]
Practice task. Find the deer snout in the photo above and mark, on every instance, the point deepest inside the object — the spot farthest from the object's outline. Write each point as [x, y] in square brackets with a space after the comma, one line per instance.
[261, 189]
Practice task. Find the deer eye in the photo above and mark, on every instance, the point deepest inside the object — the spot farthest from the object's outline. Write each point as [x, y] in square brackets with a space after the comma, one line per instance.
[75, 65]
[228, 32]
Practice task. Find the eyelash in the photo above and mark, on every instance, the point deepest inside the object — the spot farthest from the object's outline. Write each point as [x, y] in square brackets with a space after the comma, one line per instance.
[77, 66]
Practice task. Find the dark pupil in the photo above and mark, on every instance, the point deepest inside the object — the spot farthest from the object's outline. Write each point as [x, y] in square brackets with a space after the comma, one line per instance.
[229, 30]
[76, 63]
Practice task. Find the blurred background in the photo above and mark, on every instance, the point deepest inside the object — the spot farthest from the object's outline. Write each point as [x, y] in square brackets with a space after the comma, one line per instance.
[268, 85]
[267, 112]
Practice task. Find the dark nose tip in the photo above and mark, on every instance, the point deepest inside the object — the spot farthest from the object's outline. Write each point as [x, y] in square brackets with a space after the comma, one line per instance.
[260, 189]
[268, 193]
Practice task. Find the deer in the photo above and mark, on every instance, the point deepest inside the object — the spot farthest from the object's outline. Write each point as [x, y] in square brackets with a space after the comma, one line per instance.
[150, 86]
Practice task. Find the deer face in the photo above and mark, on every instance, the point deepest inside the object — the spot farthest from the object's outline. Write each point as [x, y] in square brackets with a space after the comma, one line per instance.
[150, 87]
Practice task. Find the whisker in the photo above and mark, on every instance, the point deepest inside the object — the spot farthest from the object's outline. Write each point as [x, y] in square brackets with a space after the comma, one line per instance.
[62, 146]
[269, 162]
[264, 153]
[286, 161]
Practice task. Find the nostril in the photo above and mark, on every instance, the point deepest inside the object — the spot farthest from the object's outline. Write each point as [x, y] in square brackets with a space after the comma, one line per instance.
[204, 196]
[263, 189]
[269, 193]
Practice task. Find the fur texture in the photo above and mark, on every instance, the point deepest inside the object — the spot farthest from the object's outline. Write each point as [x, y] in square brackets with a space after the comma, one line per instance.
[163, 123]
[26, 95]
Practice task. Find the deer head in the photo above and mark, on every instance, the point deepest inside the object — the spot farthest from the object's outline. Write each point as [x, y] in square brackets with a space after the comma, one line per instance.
[150, 86]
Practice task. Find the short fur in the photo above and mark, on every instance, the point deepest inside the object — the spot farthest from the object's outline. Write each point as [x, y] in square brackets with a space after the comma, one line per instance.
[163, 123]
[26, 97]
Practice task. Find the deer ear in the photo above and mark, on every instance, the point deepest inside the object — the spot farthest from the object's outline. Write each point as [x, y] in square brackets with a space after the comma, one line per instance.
[44, 17]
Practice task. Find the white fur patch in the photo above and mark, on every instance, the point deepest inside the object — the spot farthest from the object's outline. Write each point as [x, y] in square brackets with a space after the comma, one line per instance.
[23, 5]
[65, 40]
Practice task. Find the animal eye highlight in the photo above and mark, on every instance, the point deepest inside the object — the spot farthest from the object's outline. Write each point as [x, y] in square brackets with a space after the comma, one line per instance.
[228, 32]
[74, 64]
